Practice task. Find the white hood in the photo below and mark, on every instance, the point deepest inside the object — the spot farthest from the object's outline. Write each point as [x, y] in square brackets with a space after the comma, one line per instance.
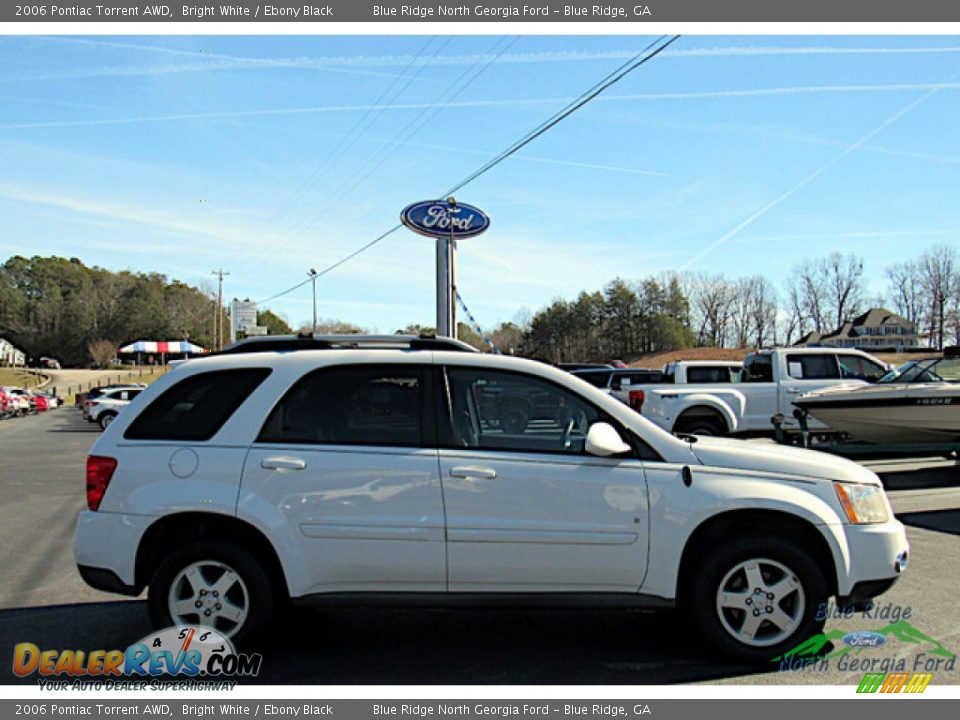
[778, 459]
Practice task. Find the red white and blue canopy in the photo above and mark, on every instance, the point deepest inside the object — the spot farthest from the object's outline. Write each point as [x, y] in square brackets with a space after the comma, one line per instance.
[159, 346]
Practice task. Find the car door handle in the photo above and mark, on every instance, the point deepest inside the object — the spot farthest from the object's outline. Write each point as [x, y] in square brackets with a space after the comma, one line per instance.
[283, 463]
[792, 391]
[473, 473]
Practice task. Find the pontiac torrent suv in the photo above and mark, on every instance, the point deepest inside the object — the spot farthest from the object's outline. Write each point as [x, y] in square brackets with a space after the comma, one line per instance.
[412, 469]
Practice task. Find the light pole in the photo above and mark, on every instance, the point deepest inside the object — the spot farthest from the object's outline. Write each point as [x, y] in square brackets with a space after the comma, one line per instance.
[313, 279]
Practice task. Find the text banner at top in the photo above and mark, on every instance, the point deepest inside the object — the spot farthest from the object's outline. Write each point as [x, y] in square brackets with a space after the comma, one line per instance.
[319, 11]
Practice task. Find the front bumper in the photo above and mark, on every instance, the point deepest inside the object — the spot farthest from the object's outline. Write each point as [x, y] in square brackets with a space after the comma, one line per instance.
[876, 557]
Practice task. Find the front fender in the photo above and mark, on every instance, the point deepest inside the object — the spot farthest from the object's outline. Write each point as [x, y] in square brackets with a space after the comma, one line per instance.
[676, 511]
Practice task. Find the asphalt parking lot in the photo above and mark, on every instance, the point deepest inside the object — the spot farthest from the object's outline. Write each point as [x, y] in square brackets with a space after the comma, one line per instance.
[44, 601]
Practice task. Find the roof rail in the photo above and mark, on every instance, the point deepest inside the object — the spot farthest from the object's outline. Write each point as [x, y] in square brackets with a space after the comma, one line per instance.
[308, 341]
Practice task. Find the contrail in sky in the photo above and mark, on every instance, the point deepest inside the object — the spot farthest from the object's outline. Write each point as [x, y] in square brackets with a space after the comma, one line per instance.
[711, 94]
[809, 178]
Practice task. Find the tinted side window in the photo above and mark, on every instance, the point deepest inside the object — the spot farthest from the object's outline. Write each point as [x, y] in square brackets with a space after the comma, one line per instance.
[812, 367]
[197, 406]
[597, 379]
[758, 368]
[495, 410]
[708, 375]
[352, 405]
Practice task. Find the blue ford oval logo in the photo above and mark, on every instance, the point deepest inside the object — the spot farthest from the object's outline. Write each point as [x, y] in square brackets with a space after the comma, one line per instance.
[864, 638]
[437, 218]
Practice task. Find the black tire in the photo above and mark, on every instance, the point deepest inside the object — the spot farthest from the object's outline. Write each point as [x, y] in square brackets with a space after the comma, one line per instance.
[702, 597]
[709, 426]
[261, 600]
[105, 419]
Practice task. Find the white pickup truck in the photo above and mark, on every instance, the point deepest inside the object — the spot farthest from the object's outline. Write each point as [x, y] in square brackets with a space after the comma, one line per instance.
[767, 385]
[628, 385]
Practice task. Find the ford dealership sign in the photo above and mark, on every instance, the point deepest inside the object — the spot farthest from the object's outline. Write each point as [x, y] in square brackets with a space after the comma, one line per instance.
[443, 219]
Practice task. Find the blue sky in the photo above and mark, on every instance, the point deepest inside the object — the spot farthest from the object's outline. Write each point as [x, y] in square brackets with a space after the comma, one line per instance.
[267, 156]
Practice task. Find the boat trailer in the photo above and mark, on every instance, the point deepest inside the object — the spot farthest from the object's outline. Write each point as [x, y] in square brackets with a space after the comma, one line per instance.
[848, 447]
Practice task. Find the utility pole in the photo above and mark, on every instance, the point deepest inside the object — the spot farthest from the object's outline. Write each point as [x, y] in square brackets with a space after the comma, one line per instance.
[218, 311]
[313, 277]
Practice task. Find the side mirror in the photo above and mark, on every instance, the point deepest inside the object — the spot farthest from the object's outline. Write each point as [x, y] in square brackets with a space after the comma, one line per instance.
[603, 441]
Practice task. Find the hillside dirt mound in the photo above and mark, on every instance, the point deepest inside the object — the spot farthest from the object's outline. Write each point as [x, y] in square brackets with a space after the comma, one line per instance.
[658, 360]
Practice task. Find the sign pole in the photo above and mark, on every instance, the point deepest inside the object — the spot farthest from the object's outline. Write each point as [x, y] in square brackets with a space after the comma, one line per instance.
[452, 275]
[443, 301]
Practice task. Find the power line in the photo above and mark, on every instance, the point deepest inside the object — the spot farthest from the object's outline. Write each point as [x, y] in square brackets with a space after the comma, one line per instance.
[399, 140]
[346, 142]
[607, 82]
[611, 79]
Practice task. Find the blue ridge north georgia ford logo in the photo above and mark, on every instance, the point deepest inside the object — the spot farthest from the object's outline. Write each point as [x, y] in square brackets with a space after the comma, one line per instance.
[442, 219]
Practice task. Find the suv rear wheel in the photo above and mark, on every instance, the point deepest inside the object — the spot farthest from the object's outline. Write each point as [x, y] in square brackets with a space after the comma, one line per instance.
[757, 597]
[105, 419]
[214, 584]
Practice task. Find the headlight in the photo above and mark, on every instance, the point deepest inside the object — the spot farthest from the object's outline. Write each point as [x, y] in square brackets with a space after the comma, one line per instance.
[862, 504]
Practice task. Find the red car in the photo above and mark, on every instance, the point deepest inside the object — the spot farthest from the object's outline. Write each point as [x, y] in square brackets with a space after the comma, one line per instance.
[41, 402]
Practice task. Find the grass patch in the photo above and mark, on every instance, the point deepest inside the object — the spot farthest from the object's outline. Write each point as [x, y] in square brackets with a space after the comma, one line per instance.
[17, 377]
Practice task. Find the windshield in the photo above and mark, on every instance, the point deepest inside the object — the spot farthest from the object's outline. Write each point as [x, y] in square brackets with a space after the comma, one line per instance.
[925, 371]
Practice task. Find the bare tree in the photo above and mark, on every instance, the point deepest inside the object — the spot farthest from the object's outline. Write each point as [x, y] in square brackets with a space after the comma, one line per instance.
[764, 310]
[843, 277]
[796, 317]
[940, 275]
[102, 351]
[906, 289]
[741, 310]
[812, 290]
[713, 298]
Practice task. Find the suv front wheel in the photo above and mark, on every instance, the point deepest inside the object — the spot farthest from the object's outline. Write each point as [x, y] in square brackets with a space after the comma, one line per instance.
[214, 584]
[758, 597]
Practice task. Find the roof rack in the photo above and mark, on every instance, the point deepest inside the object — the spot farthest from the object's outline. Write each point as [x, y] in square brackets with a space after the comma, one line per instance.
[309, 341]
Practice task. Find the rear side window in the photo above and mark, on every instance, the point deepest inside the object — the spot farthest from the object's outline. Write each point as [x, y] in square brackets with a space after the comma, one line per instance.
[709, 375]
[196, 407]
[353, 405]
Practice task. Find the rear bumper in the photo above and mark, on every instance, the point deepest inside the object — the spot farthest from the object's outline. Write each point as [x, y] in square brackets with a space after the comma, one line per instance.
[105, 544]
[106, 580]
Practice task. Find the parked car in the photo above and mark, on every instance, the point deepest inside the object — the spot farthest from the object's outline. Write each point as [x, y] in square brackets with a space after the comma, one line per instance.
[370, 470]
[40, 402]
[768, 384]
[20, 401]
[90, 396]
[106, 406]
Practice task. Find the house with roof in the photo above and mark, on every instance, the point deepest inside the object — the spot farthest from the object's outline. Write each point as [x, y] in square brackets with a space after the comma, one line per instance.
[10, 355]
[876, 329]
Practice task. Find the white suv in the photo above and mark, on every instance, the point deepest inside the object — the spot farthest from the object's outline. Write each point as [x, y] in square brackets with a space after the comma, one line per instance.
[105, 407]
[410, 469]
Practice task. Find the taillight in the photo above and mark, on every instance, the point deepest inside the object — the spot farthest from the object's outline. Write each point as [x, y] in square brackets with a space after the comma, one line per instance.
[636, 400]
[99, 471]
